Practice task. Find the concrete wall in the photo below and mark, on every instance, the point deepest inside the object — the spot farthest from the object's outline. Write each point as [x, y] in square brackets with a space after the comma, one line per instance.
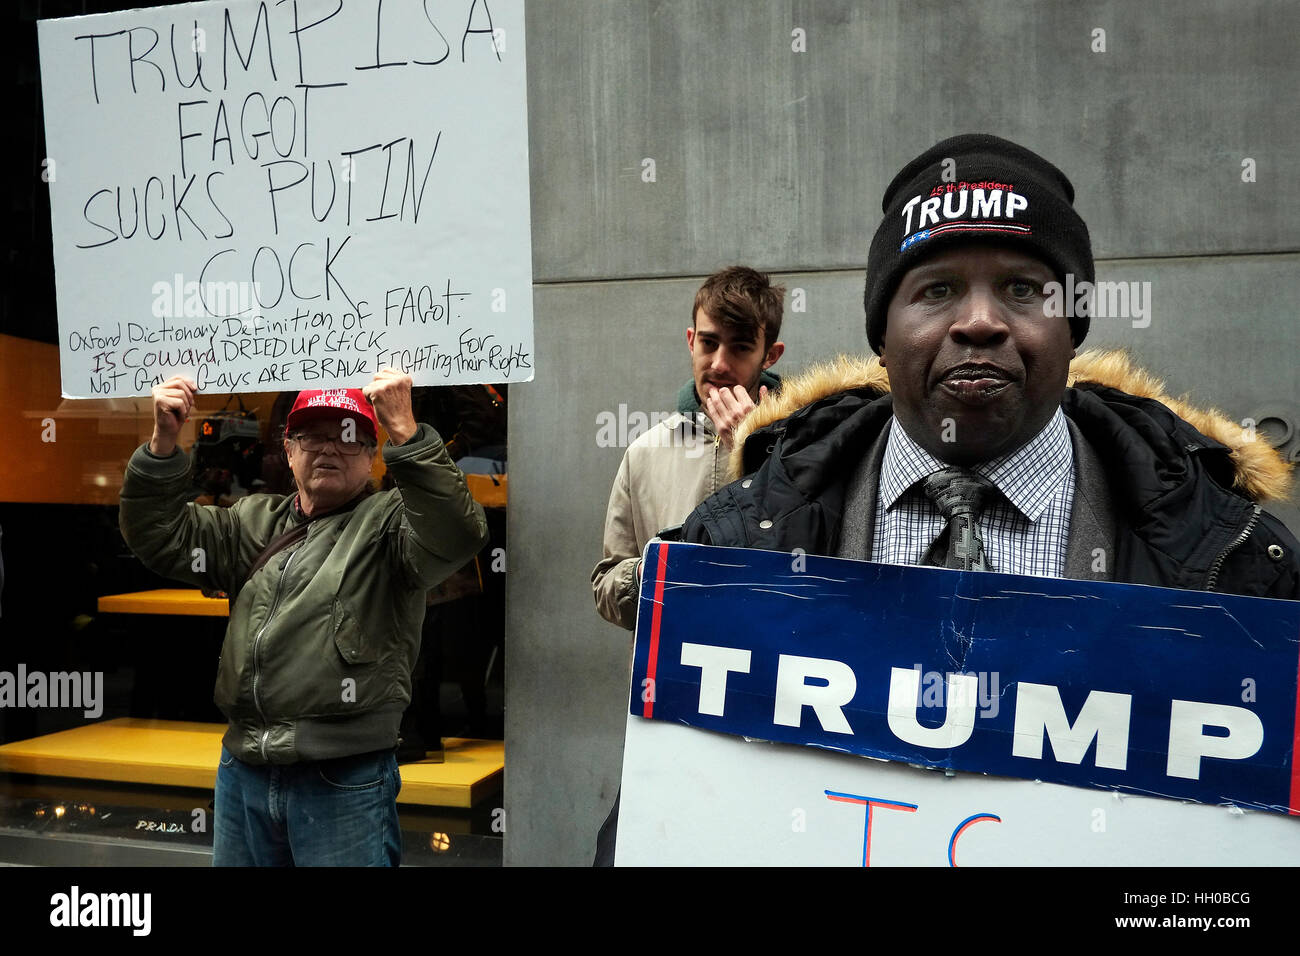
[778, 159]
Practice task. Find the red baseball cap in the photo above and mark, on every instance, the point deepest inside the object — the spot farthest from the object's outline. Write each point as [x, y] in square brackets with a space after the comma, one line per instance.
[333, 404]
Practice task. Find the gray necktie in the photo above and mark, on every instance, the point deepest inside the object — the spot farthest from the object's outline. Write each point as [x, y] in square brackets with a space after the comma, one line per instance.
[959, 494]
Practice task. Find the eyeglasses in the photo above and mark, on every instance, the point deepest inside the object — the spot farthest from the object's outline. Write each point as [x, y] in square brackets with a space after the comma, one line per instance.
[315, 443]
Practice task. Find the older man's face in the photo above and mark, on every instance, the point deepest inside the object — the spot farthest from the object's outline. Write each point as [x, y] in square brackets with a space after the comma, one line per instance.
[975, 367]
[328, 477]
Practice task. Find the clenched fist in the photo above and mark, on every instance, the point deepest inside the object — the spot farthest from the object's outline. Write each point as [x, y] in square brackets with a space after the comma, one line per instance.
[173, 401]
[390, 394]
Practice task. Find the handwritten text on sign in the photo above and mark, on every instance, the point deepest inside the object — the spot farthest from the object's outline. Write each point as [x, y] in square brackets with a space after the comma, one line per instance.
[268, 196]
[693, 797]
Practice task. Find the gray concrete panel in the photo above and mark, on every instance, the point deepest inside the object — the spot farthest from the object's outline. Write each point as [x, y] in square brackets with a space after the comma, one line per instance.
[780, 158]
[598, 345]
[1224, 331]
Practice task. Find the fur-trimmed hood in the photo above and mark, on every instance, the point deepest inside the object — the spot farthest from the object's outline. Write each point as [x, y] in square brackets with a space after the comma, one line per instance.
[1261, 474]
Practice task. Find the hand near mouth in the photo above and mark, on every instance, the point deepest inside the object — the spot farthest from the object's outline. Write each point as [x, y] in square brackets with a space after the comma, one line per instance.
[728, 407]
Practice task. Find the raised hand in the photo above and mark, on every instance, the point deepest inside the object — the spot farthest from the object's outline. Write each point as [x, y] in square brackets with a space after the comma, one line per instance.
[173, 401]
[390, 394]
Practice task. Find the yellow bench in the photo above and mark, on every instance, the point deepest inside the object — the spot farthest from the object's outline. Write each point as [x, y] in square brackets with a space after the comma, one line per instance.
[189, 601]
[175, 753]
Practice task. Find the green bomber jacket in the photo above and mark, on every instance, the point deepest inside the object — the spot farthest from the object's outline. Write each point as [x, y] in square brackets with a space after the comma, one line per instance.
[322, 639]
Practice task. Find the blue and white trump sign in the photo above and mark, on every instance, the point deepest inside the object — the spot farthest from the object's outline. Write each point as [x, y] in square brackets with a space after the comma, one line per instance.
[944, 717]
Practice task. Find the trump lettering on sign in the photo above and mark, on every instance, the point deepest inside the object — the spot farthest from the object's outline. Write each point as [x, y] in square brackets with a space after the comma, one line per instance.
[1070, 721]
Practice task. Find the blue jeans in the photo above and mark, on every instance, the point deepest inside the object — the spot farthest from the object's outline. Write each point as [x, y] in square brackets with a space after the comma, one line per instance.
[340, 812]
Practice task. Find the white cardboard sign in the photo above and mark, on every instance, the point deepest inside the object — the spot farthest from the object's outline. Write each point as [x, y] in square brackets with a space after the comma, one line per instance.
[697, 797]
[276, 195]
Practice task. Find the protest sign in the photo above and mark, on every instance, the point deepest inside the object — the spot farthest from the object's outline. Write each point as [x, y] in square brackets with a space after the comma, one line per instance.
[270, 196]
[1089, 704]
[696, 797]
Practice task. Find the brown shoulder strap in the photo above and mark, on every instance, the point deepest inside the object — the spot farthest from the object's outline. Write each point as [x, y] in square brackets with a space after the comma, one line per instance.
[290, 537]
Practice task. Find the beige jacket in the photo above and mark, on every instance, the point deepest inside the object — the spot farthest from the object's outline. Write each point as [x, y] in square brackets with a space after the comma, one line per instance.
[664, 474]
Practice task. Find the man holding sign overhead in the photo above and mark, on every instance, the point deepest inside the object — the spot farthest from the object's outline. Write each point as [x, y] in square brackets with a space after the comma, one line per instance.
[969, 450]
[327, 594]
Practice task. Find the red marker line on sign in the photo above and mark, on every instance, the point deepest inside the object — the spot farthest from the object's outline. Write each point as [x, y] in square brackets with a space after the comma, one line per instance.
[1293, 805]
[651, 665]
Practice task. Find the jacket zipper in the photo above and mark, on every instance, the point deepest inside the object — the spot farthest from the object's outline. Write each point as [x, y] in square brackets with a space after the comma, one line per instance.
[1237, 542]
[698, 426]
[713, 476]
[257, 643]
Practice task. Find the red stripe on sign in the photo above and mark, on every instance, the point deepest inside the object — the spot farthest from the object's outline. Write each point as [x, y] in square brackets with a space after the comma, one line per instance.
[656, 615]
[1293, 807]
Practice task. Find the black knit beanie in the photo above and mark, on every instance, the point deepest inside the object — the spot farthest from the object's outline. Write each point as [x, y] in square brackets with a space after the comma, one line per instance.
[993, 191]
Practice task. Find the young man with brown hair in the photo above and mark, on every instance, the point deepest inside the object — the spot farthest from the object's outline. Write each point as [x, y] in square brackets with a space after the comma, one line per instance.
[672, 467]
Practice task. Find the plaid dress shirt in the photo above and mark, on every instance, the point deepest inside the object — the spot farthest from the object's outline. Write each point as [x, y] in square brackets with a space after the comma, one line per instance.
[1025, 528]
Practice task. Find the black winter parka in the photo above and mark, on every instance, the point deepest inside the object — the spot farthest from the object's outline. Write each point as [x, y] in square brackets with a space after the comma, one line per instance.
[1179, 521]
